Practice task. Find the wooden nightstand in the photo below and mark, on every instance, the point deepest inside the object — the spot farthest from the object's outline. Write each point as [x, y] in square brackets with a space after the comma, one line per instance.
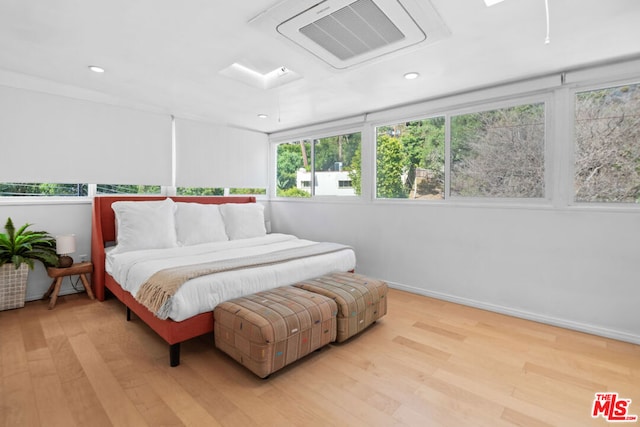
[58, 274]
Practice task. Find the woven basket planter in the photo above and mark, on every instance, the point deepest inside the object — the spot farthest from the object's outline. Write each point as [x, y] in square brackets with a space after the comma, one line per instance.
[13, 286]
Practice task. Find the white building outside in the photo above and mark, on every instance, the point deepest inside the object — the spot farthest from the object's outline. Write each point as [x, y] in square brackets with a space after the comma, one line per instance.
[329, 183]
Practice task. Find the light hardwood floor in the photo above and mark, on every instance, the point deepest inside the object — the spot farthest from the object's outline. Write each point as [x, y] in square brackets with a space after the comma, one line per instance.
[427, 363]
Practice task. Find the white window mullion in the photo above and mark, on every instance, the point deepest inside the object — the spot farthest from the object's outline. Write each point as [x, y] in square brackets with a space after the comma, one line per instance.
[312, 162]
[561, 152]
[92, 190]
[368, 163]
[447, 156]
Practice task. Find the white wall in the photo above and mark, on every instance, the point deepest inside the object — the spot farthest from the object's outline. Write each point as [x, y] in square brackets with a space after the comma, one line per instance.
[575, 268]
[65, 217]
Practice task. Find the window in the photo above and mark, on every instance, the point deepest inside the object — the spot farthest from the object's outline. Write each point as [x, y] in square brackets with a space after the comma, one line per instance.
[248, 191]
[410, 160]
[293, 157]
[210, 191]
[607, 152]
[499, 153]
[333, 159]
[42, 189]
[199, 191]
[127, 189]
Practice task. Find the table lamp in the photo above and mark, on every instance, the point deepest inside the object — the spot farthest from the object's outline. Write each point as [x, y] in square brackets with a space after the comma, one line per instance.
[65, 245]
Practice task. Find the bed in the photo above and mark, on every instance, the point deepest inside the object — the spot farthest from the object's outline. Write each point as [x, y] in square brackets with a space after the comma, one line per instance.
[123, 269]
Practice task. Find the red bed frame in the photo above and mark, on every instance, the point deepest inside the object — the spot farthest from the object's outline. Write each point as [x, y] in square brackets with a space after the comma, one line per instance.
[103, 231]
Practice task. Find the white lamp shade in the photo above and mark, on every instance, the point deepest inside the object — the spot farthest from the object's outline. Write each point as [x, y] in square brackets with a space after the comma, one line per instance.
[65, 244]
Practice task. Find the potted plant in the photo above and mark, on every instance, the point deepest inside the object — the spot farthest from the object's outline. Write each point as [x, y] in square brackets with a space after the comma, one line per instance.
[19, 249]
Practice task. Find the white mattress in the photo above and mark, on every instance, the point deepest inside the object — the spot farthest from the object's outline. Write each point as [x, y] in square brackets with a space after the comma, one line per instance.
[132, 269]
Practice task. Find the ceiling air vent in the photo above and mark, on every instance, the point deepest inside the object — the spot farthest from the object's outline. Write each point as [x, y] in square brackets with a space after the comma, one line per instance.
[347, 32]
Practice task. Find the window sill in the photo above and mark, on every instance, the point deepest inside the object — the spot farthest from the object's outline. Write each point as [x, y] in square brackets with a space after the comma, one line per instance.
[47, 200]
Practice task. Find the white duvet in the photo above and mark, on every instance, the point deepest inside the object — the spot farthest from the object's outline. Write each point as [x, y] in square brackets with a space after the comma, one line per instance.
[132, 269]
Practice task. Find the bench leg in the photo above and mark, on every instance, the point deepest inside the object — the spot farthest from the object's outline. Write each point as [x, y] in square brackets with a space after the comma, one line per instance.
[174, 355]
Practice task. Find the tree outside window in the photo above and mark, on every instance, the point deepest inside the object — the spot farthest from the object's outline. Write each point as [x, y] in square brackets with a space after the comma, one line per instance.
[607, 147]
[410, 160]
[127, 189]
[199, 191]
[8, 189]
[335, 159]
[499, 153]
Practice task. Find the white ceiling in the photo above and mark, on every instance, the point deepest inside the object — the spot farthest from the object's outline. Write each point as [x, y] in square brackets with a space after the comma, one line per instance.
[166, 55]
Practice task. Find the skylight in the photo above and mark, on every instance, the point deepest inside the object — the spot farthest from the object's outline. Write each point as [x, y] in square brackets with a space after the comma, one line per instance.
[274, 78]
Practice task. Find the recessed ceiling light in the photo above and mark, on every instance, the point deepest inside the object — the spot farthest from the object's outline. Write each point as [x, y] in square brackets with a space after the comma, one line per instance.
[96, 69]
[262, 116]
[412, 75]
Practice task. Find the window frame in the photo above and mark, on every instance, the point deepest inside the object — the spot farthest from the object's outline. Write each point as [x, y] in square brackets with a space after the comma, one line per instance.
[160, 193]
[45, 197]
[313, 137]
[546, 97]
[573, 89]
[415, 118]
[165, 190]
[547, 101]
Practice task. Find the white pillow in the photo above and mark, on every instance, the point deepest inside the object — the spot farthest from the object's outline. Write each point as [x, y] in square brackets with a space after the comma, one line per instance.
[199, 223]
[243, 220]
[145, 225]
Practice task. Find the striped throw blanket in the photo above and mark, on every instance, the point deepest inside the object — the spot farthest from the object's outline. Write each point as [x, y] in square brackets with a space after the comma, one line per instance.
[156, 292]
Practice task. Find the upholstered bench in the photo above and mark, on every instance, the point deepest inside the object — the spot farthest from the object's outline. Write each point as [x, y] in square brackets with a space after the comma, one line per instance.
[361, 300]
[269, 330]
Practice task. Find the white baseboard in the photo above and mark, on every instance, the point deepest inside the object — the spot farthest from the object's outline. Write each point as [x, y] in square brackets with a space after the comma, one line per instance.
[555, 321]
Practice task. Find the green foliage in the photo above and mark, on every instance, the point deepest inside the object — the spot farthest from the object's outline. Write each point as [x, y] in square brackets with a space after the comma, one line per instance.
[42, 189]
[26, 246]
[336, 149]
[128, 189]
[247, 191]
[326, 154]
[355, 171]
[421, 164]
[289, 161]
[389, 165]
[423, 146]
[464, 128]
[199, 191]
[292, 192]
[329, 153]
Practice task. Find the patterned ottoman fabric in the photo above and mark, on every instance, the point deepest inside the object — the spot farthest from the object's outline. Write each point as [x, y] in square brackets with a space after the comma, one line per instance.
[267, 331]
[361, 300]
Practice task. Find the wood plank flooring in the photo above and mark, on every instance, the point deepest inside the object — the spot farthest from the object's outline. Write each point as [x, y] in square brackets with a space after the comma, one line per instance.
[427, 363]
